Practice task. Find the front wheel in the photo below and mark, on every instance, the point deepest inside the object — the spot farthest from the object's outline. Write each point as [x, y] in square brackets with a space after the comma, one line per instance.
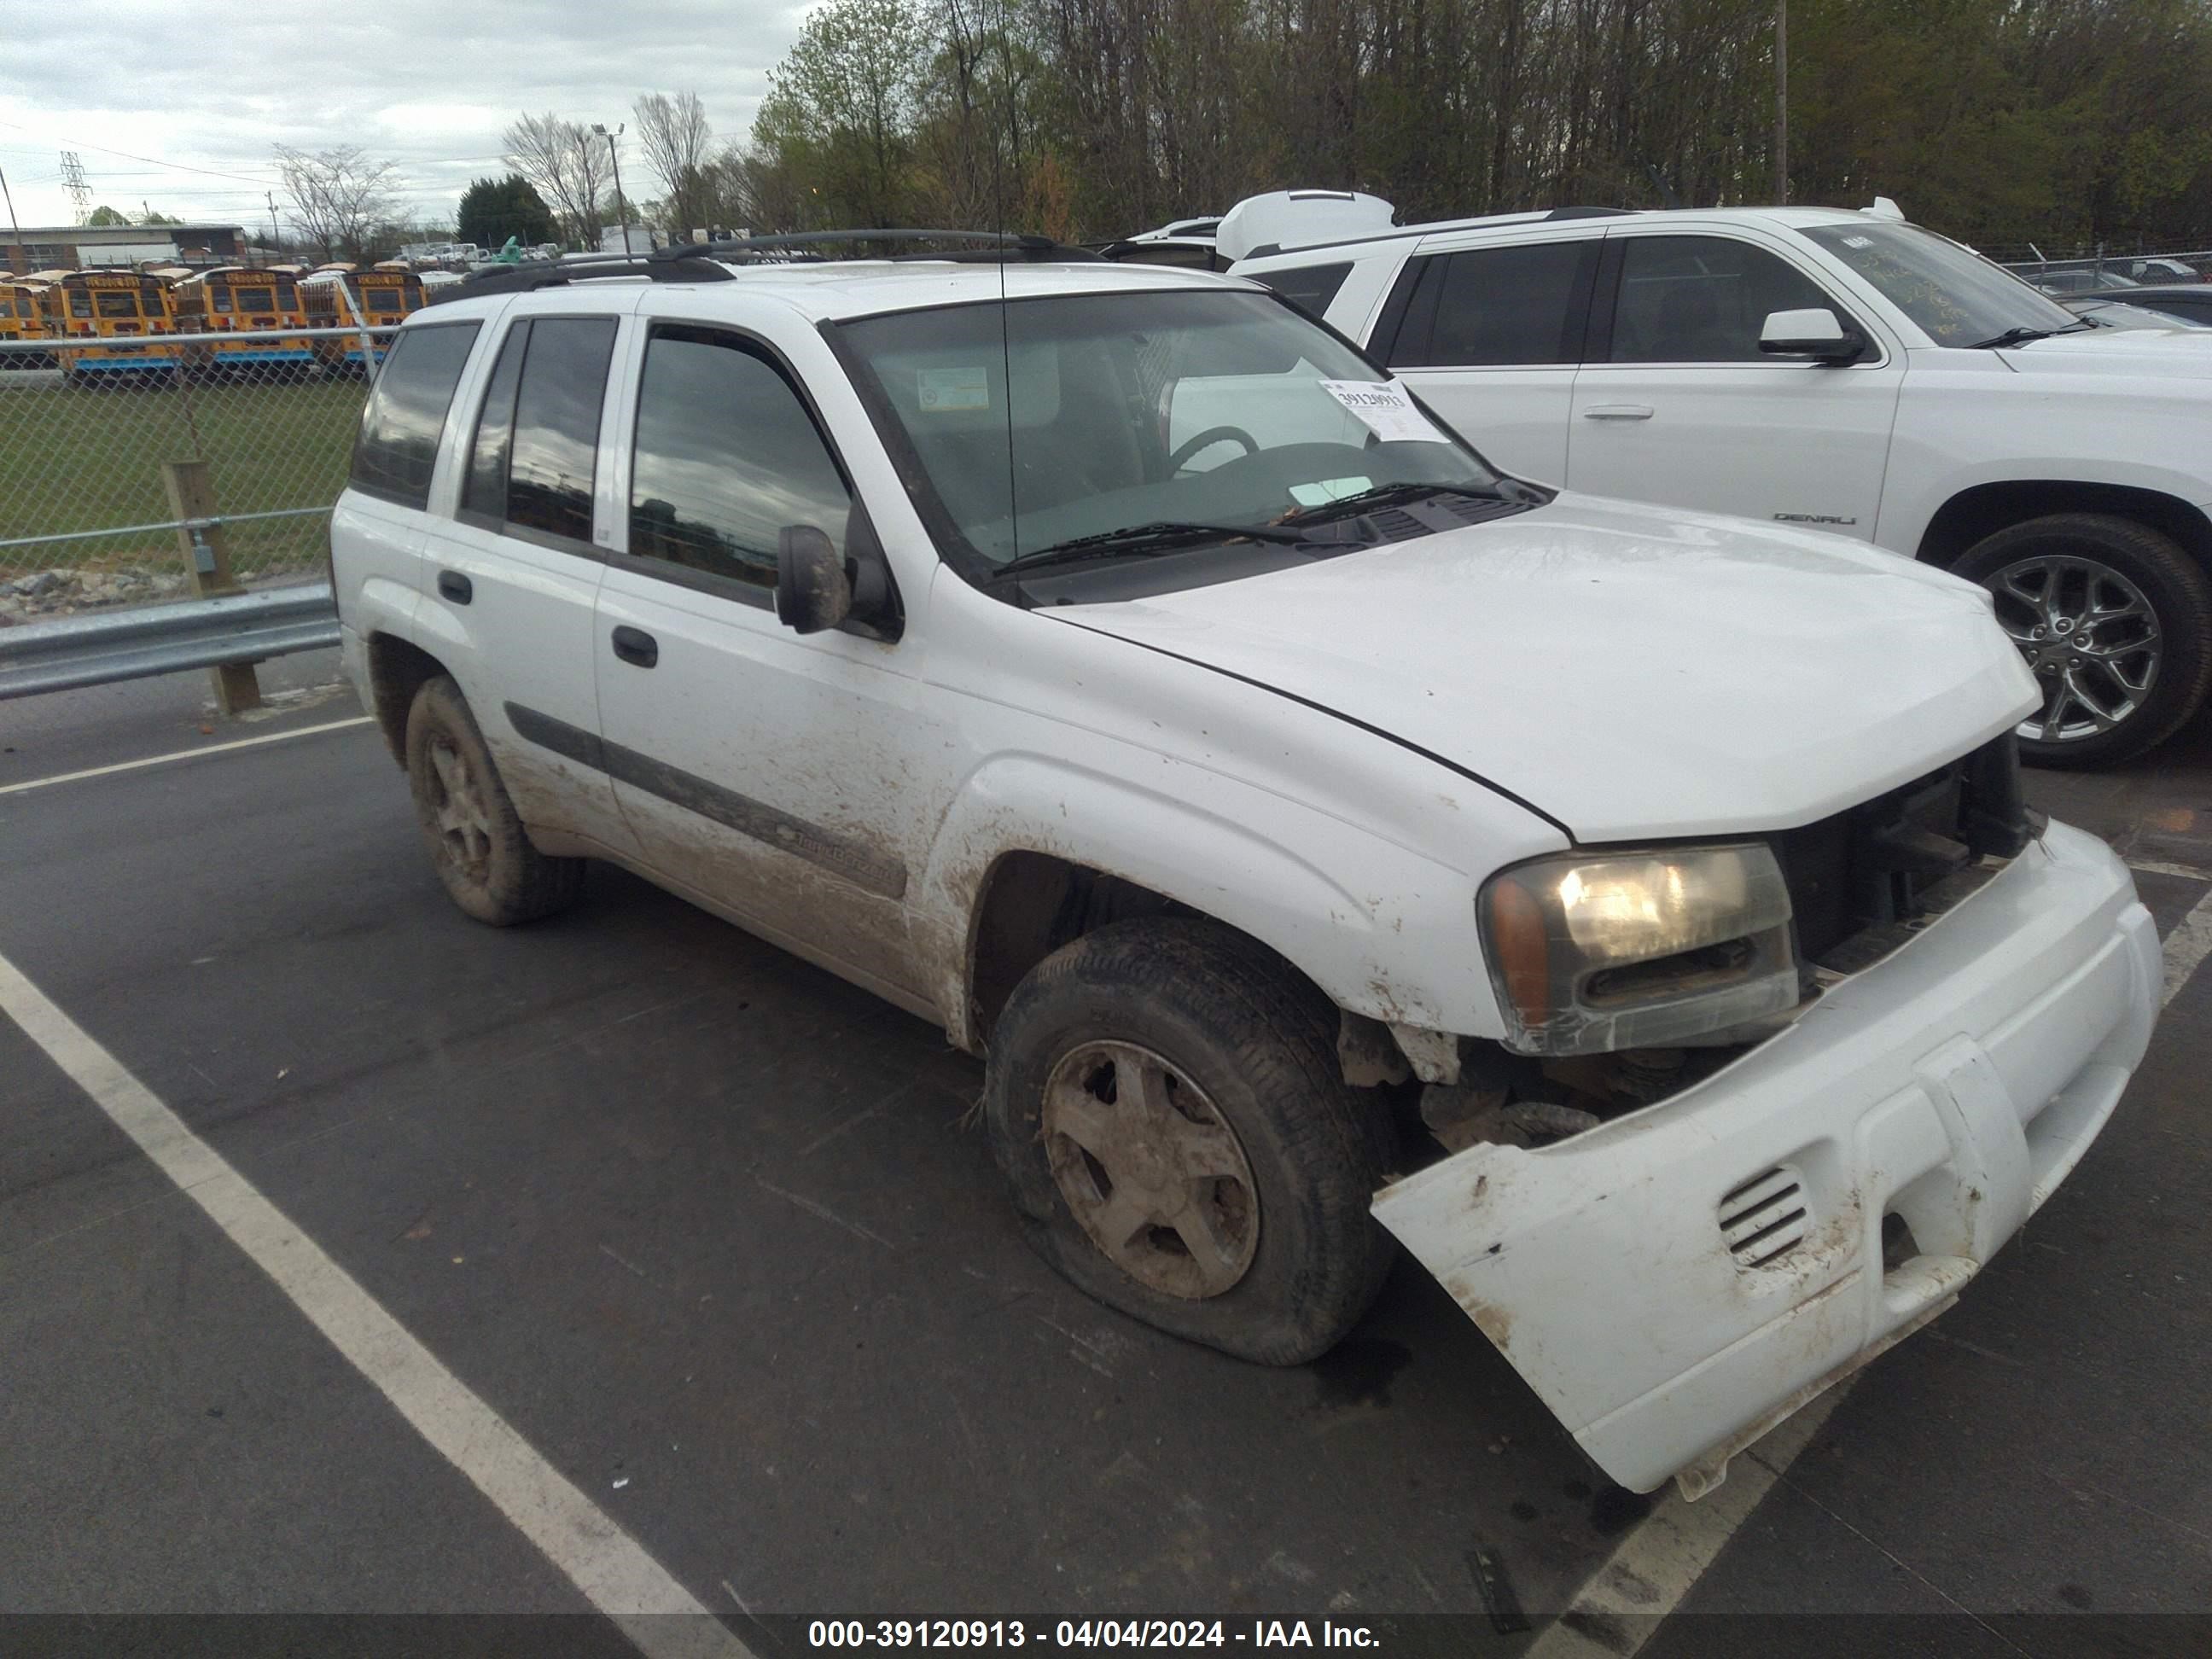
[1165, 1102]
[2115, 621]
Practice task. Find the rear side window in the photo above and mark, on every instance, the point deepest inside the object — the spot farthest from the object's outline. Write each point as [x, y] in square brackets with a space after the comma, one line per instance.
[726, 457]
[406, 412]
[1498, 306]
[538, 439]
[1311, 288]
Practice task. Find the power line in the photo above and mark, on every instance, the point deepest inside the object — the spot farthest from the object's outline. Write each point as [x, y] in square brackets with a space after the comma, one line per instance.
[155, 160]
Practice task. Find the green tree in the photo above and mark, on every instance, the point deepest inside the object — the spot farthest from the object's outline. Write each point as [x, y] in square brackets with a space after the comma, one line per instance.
[493, 210]
[102, 217]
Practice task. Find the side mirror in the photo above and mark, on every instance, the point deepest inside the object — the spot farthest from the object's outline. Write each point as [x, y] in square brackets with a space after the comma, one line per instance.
[1813, 333]
[812, 592]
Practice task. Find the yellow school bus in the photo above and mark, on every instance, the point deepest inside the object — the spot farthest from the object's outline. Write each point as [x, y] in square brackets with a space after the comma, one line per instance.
[27, 305]
[234, 305]
[116, 325]
[340, 296]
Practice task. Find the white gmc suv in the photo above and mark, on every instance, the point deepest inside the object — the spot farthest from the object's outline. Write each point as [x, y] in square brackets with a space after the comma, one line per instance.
[1632, 911]
[1815, 367]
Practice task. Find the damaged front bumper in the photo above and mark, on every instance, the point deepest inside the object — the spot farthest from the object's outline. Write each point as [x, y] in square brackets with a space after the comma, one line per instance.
[1678, 1280]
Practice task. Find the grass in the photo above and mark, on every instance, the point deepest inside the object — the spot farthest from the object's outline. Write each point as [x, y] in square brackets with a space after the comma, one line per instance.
[90, 458]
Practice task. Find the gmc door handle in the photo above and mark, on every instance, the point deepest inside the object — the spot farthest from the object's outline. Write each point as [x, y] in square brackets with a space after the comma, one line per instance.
[455, 587]
[1618, 412]
[634, 645]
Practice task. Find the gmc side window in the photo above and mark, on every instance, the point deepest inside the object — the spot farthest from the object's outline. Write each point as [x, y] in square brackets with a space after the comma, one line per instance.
[726, 457]
[405, 415]
[1311, 288]
[1702, 300]
[538, 439]
[1498, 306]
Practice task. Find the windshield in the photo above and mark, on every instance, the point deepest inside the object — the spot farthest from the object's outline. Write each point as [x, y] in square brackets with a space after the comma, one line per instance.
[1204, 408]
[1959, 297]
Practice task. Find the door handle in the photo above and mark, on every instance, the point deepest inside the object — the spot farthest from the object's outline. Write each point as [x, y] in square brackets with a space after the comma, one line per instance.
[456, 587]
[634, 645]
[1618, 412]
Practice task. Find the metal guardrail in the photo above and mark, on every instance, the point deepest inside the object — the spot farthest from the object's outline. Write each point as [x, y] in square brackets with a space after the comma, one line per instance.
[164, 638]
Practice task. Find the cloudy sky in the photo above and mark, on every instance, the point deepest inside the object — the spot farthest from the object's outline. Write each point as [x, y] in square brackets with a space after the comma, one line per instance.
[178, 105]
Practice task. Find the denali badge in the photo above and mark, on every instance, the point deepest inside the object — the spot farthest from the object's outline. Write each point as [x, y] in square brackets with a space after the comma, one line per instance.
[1811, 517]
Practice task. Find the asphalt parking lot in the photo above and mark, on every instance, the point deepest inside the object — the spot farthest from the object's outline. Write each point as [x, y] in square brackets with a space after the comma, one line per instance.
[704, 1228]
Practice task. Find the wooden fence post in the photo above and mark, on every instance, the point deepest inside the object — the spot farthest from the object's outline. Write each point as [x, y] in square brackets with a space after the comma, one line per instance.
[207, 558]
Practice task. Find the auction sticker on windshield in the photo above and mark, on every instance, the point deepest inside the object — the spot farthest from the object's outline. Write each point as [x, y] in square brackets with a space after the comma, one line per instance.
[1388, 411]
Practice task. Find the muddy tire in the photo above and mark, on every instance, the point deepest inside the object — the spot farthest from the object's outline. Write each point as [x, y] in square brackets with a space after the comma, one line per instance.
[1165, 1102]
[2115, 621]
[476, 843]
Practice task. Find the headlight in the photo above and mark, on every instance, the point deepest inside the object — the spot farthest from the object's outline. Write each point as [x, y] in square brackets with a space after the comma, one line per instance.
[1594, 951]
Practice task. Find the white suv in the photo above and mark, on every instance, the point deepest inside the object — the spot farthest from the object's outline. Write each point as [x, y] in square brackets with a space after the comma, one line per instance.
[1842, 370]
[1632, 911]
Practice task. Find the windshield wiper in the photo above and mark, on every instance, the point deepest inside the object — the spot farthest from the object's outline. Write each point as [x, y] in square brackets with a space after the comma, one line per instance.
[1141, 540]
[2012, 336]
[1384, 494]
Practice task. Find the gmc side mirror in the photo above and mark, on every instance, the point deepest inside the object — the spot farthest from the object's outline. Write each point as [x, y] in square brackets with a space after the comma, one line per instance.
[812, 592]
[1813, 333]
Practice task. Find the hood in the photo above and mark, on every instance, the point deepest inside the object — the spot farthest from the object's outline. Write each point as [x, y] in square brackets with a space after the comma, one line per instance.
[2179, 353]
[1632, 672]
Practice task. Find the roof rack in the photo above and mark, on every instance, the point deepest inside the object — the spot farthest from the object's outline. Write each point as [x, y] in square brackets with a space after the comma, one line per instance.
[708, 262]
[996, 245]
[685, 267]
[1435, 226]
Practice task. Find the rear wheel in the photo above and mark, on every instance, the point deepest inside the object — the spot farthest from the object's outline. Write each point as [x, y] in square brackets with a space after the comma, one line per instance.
[1165, 1102]
[477, 843]
[2115, 621]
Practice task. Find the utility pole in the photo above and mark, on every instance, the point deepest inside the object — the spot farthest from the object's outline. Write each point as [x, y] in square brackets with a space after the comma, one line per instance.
[17, 254]
[269, 196]
[622, 213]
[1782, 102]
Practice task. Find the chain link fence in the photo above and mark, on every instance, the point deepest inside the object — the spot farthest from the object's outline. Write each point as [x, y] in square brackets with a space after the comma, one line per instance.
[86, 521]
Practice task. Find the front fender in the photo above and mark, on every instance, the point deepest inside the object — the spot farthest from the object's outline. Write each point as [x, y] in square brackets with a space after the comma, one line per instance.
[1382, 930]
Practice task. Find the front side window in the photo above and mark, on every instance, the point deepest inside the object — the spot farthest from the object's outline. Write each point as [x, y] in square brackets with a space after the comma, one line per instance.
[1498, 306]
[726, 457]
[1957, 296]
[1083, 416]
[406, 412]
[538, 441]
[1702, 299]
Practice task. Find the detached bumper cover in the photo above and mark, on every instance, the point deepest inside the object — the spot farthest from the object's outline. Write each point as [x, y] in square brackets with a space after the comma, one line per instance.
[1676, 1282]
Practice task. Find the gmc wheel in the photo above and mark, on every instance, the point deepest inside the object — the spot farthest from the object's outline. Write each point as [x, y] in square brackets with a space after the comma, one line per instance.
[2115, 621]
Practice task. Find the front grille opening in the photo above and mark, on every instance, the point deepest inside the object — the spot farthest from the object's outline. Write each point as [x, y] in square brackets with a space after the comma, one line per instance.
[1899, 1246]
[1864, 882]
[1765, 1219]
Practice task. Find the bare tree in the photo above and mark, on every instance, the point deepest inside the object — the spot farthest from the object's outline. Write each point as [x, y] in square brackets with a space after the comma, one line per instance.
[338, 196]
[568, 163]
[678, 142]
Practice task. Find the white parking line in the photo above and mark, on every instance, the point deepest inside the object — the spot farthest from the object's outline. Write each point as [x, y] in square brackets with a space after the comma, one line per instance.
[602, 1560]
[2186, 946]
[1652, 1569]
[2154, 867]
[182, 754]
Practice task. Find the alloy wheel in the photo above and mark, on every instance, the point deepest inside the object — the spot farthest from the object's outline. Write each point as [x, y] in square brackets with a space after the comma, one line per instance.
[1151, 1169]
[2090, 635]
